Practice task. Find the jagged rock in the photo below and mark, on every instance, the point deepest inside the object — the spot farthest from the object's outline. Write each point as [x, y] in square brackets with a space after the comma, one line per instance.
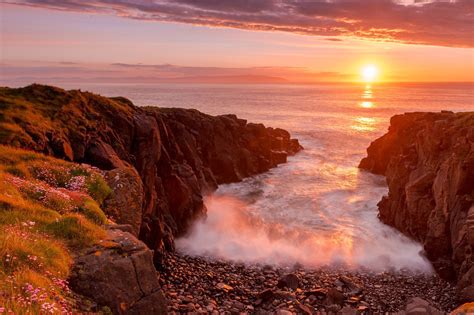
[428, 160]
[125, 203]
[119, 273]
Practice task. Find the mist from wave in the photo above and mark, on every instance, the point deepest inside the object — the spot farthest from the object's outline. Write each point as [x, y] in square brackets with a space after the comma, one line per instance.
[313, 215]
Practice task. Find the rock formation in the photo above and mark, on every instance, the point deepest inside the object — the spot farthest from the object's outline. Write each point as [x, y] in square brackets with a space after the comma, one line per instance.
[119, 273]
[169, 157]
[428, 160]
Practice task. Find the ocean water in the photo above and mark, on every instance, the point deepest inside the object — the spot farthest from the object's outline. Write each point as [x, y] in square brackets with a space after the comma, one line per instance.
[318, 209]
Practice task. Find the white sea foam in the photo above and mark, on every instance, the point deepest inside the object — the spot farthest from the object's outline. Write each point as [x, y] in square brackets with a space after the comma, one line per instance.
[232, 231]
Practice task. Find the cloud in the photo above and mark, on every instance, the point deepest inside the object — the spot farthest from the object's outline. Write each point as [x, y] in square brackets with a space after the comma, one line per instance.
[435, 22]
[59, 72]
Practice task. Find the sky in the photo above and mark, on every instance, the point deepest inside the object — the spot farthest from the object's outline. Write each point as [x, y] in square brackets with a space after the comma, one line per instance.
[278, 41]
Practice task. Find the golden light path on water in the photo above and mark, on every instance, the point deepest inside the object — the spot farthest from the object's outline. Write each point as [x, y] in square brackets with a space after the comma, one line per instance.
[365, 123]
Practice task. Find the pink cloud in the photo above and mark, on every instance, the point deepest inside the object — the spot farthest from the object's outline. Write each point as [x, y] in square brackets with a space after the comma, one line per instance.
[435, 22]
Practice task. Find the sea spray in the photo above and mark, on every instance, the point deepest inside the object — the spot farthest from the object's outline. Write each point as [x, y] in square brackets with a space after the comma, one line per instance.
[232, 232]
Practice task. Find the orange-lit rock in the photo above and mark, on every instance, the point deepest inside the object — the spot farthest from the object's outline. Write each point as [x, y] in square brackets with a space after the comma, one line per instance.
[428, 160]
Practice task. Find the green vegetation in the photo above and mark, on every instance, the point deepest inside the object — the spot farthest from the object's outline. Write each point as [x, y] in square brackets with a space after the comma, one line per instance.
[48, 207]
[32, 115]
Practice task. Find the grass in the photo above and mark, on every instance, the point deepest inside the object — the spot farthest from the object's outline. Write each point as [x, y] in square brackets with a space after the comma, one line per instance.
[28, 114]
[48, 208]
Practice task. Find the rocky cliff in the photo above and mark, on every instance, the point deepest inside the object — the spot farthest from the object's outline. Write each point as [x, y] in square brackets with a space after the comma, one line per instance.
[160, 161]
[428, 160]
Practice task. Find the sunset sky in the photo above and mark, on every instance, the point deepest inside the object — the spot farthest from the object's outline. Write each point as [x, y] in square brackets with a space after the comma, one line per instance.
[191, 40]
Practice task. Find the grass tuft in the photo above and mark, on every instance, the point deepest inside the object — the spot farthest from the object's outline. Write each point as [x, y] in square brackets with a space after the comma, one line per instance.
[76, 230]
[98, 189]
[91, 210]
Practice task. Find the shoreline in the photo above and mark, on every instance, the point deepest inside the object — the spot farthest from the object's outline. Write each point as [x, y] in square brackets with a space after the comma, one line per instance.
[156, 162]
[205, 285]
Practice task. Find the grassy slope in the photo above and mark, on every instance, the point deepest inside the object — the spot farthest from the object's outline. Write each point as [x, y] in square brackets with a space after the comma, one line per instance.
[48, 209]
[28, 114]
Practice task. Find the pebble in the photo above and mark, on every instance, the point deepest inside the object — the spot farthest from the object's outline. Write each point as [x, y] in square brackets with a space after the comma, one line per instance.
[200, 285]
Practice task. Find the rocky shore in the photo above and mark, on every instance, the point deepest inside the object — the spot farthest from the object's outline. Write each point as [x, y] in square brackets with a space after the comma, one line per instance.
[196, 284]
[156, 164]
[428, 160]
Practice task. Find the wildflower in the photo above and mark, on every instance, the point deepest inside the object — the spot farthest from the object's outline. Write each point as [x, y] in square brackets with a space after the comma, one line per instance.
[76, 183]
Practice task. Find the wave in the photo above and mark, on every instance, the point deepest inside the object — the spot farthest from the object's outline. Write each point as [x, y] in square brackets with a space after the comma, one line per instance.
[232, 232]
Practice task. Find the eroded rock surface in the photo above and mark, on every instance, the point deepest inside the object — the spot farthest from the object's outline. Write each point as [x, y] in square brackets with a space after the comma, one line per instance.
[124, 205]
[119, 273]
[428, 160]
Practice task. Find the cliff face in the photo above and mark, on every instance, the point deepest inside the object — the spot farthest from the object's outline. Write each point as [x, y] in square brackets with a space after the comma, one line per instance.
[170, 157]
[428, 160]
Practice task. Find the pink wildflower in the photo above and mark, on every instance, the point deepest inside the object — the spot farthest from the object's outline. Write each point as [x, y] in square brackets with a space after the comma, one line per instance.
[76, 183]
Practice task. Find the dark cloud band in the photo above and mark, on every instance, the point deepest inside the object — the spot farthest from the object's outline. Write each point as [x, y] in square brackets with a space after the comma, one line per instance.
[435, 22]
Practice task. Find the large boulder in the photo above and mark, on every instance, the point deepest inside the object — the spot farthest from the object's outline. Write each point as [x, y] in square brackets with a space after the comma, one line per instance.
[119, 273]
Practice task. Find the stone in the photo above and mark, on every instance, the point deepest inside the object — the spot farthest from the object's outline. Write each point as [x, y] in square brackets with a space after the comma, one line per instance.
[334, 297]
[119, 273]
[224, 287]
[266, 295]
[319, 293]
[290, 281]
[347, 310]
[418, 306]
[305, 309]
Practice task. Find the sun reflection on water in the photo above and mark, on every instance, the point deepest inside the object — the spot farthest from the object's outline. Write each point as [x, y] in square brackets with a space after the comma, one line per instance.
[367, 104]
[362, 123]
[367, 97]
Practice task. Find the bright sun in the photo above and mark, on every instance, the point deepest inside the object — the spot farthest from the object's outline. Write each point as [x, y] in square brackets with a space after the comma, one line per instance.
[369, 73]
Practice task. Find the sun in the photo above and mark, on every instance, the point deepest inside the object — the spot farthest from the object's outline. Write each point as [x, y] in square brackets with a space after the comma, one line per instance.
[369, 73]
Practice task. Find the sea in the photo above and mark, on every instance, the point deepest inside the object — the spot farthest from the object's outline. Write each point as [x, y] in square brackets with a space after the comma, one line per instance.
[318, 209]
